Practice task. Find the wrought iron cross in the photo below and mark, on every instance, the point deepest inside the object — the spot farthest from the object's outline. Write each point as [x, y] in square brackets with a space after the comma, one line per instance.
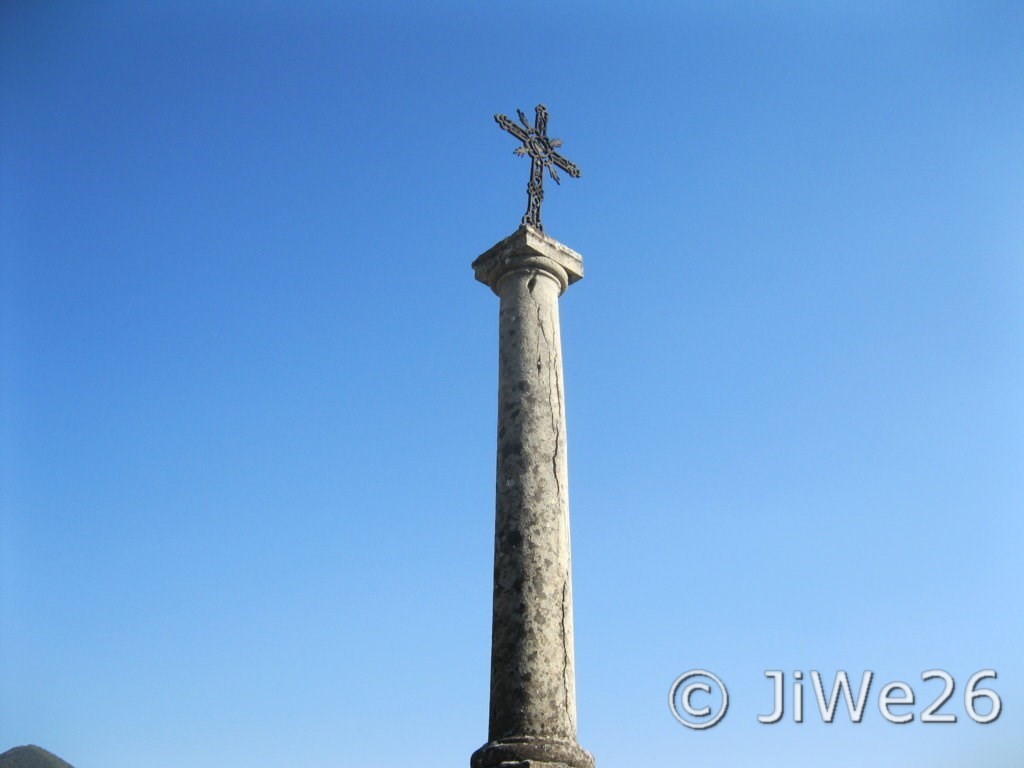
[541, 149]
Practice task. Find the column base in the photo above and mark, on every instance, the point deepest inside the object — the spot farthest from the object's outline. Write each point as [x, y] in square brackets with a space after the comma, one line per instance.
[531, 752]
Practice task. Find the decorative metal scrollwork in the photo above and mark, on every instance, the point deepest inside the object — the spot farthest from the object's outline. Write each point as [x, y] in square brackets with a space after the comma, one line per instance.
[541, 150]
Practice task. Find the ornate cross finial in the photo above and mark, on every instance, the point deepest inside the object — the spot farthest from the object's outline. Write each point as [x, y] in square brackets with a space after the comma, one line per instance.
[541, 149]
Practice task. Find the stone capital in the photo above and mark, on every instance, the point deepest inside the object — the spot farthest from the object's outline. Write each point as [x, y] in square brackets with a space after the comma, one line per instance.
[530, 249]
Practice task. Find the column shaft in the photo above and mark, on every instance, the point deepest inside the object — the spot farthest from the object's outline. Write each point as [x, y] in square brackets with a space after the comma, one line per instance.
[533, 689]
[532, 675]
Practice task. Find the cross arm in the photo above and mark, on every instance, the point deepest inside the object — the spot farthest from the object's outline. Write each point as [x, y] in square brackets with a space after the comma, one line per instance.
[541, 119]
[569, 167]
[511, 127]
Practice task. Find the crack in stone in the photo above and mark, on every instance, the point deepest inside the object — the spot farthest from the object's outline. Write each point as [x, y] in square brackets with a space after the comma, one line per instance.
[556, 419]
[556, 422]
[554, 387]
[565, 657]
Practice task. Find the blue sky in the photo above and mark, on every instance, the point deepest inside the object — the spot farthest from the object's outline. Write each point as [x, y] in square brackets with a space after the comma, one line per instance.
[248, 383]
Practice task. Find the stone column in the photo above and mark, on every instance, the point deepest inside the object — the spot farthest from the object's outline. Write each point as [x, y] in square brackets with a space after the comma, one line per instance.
[533, 686]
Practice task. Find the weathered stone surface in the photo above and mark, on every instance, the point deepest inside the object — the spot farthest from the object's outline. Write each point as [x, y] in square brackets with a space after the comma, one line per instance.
[533, 698]
[525, 248]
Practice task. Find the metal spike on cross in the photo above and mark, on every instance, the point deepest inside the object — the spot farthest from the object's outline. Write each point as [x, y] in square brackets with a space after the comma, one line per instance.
[541, 150]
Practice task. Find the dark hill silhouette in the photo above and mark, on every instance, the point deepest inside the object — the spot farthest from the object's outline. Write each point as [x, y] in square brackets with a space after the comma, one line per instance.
[31, 757]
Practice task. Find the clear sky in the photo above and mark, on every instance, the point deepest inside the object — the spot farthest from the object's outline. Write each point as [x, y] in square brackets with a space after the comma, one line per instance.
[248, 383]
